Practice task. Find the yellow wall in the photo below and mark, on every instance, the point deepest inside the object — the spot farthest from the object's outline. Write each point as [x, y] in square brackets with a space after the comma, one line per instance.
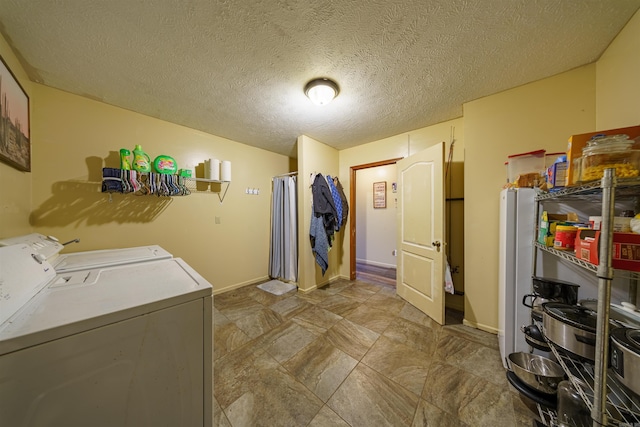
[75, 137]
[15, 195]
[542, 114]
[314, 157]
[617, 85]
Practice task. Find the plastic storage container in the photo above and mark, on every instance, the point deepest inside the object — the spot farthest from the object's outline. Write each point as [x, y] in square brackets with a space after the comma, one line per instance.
[604, 152]
[565, 237]
[526, 165]
[141, 161]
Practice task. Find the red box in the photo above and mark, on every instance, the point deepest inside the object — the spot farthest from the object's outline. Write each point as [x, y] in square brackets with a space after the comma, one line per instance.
[625, 253]
[586, 245]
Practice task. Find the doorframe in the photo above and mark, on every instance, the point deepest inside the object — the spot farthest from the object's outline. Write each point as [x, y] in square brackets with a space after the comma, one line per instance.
[352, 205]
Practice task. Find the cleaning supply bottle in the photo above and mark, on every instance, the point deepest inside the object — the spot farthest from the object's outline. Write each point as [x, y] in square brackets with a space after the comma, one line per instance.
[141, 161]
[124, 159]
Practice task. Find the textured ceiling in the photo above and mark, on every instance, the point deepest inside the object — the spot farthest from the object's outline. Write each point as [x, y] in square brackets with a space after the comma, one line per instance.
[237, 68]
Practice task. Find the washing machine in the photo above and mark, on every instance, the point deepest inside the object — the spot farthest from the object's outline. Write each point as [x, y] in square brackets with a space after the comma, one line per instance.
[119, 344]
[49, 247]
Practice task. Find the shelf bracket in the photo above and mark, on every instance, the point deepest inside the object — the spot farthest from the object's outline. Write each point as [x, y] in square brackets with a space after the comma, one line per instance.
[225, 192]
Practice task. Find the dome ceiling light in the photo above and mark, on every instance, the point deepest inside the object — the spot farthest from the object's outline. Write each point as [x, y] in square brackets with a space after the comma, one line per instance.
[321, 91]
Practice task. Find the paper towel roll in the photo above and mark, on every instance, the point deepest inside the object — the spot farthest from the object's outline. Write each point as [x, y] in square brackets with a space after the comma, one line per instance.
[207, 169]
[214, 166]
[225, 174]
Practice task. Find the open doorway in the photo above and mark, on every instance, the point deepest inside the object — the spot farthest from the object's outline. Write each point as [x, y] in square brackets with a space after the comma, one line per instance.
[381, 265]
[454, 204]
[376, 225]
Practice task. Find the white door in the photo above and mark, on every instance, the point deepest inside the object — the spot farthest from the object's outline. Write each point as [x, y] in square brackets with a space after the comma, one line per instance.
[420, 269]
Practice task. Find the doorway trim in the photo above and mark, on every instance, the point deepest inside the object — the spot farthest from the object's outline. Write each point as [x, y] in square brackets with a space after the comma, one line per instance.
[352, 209]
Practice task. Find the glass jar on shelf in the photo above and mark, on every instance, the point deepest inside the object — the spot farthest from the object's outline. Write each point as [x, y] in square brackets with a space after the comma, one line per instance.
[604, 152]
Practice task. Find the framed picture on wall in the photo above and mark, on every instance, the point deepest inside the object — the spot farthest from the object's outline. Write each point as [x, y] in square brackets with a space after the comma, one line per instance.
[380, 194]
[15, 142]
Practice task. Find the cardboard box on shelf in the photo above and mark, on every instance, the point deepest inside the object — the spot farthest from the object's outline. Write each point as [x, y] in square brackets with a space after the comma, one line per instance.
[557, 175]
[548, 222]
[586, 246]
[578, 142]
[625, 253]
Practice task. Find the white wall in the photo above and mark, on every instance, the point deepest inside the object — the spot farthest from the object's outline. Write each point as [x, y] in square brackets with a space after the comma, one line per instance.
[375, 227]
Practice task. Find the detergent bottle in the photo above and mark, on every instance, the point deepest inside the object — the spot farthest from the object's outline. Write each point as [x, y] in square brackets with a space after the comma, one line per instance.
[124, 159]
[141, 162]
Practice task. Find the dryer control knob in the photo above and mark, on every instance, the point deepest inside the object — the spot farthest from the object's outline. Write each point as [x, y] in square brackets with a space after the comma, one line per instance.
[39, 258]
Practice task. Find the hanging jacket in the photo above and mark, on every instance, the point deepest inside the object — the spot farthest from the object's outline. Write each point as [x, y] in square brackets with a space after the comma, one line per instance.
[319, 242]
[337, 201]
[345, 204]
[323, 204]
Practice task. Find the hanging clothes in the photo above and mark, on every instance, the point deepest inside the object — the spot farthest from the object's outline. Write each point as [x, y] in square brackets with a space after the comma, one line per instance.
[337, 202]
[329, 213]
[319, 242]
[323, 204]
[323, 221]
[345, 204]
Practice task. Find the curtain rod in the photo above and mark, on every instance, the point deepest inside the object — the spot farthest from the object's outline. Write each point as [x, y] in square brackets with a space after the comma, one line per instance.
[287, 174]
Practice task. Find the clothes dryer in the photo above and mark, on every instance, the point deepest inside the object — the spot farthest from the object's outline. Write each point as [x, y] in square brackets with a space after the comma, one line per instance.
[124, 345]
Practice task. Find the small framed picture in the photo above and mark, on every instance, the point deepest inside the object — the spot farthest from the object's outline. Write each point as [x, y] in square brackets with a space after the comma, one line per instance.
[380, 194]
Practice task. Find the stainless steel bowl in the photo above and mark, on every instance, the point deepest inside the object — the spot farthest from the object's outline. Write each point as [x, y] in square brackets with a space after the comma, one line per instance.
[536, 371]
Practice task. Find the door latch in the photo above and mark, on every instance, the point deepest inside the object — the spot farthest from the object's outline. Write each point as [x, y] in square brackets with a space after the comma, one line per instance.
[437, 245]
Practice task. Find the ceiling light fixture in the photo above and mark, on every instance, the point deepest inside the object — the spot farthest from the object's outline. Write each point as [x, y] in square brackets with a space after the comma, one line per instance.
[321, 91]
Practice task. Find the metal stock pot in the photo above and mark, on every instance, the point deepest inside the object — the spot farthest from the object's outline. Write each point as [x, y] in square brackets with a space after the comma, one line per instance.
[625, 357]
[570, 327]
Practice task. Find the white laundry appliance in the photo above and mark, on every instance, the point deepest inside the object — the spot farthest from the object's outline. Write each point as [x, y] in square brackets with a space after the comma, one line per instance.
[112, 345]
[517, 233]
[49, 247]
[515, 269]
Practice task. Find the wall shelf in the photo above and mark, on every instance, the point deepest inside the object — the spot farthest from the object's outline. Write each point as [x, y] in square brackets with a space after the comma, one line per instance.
[163, 185]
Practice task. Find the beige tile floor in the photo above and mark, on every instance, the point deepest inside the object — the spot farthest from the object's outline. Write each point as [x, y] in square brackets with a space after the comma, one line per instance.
[353, 354]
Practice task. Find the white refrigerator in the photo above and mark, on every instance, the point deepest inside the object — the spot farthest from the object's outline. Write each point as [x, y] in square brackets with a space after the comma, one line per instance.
[516, 236]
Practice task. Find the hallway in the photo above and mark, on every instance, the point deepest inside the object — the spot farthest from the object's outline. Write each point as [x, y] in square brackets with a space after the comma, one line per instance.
[353, 354]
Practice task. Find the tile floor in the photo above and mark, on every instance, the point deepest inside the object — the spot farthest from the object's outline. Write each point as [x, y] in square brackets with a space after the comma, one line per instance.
[353, 354]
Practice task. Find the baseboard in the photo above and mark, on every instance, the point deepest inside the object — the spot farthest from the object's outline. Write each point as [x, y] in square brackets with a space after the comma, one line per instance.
[480, 326]
[256, 281]
[375, 263]
[306, 291]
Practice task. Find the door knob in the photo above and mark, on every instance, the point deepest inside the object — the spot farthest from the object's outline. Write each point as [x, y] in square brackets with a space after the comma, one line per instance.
[436, 244]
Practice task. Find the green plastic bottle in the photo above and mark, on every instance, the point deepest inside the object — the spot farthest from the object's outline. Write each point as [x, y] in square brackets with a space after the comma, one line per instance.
[124, 159]
[141, 161]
